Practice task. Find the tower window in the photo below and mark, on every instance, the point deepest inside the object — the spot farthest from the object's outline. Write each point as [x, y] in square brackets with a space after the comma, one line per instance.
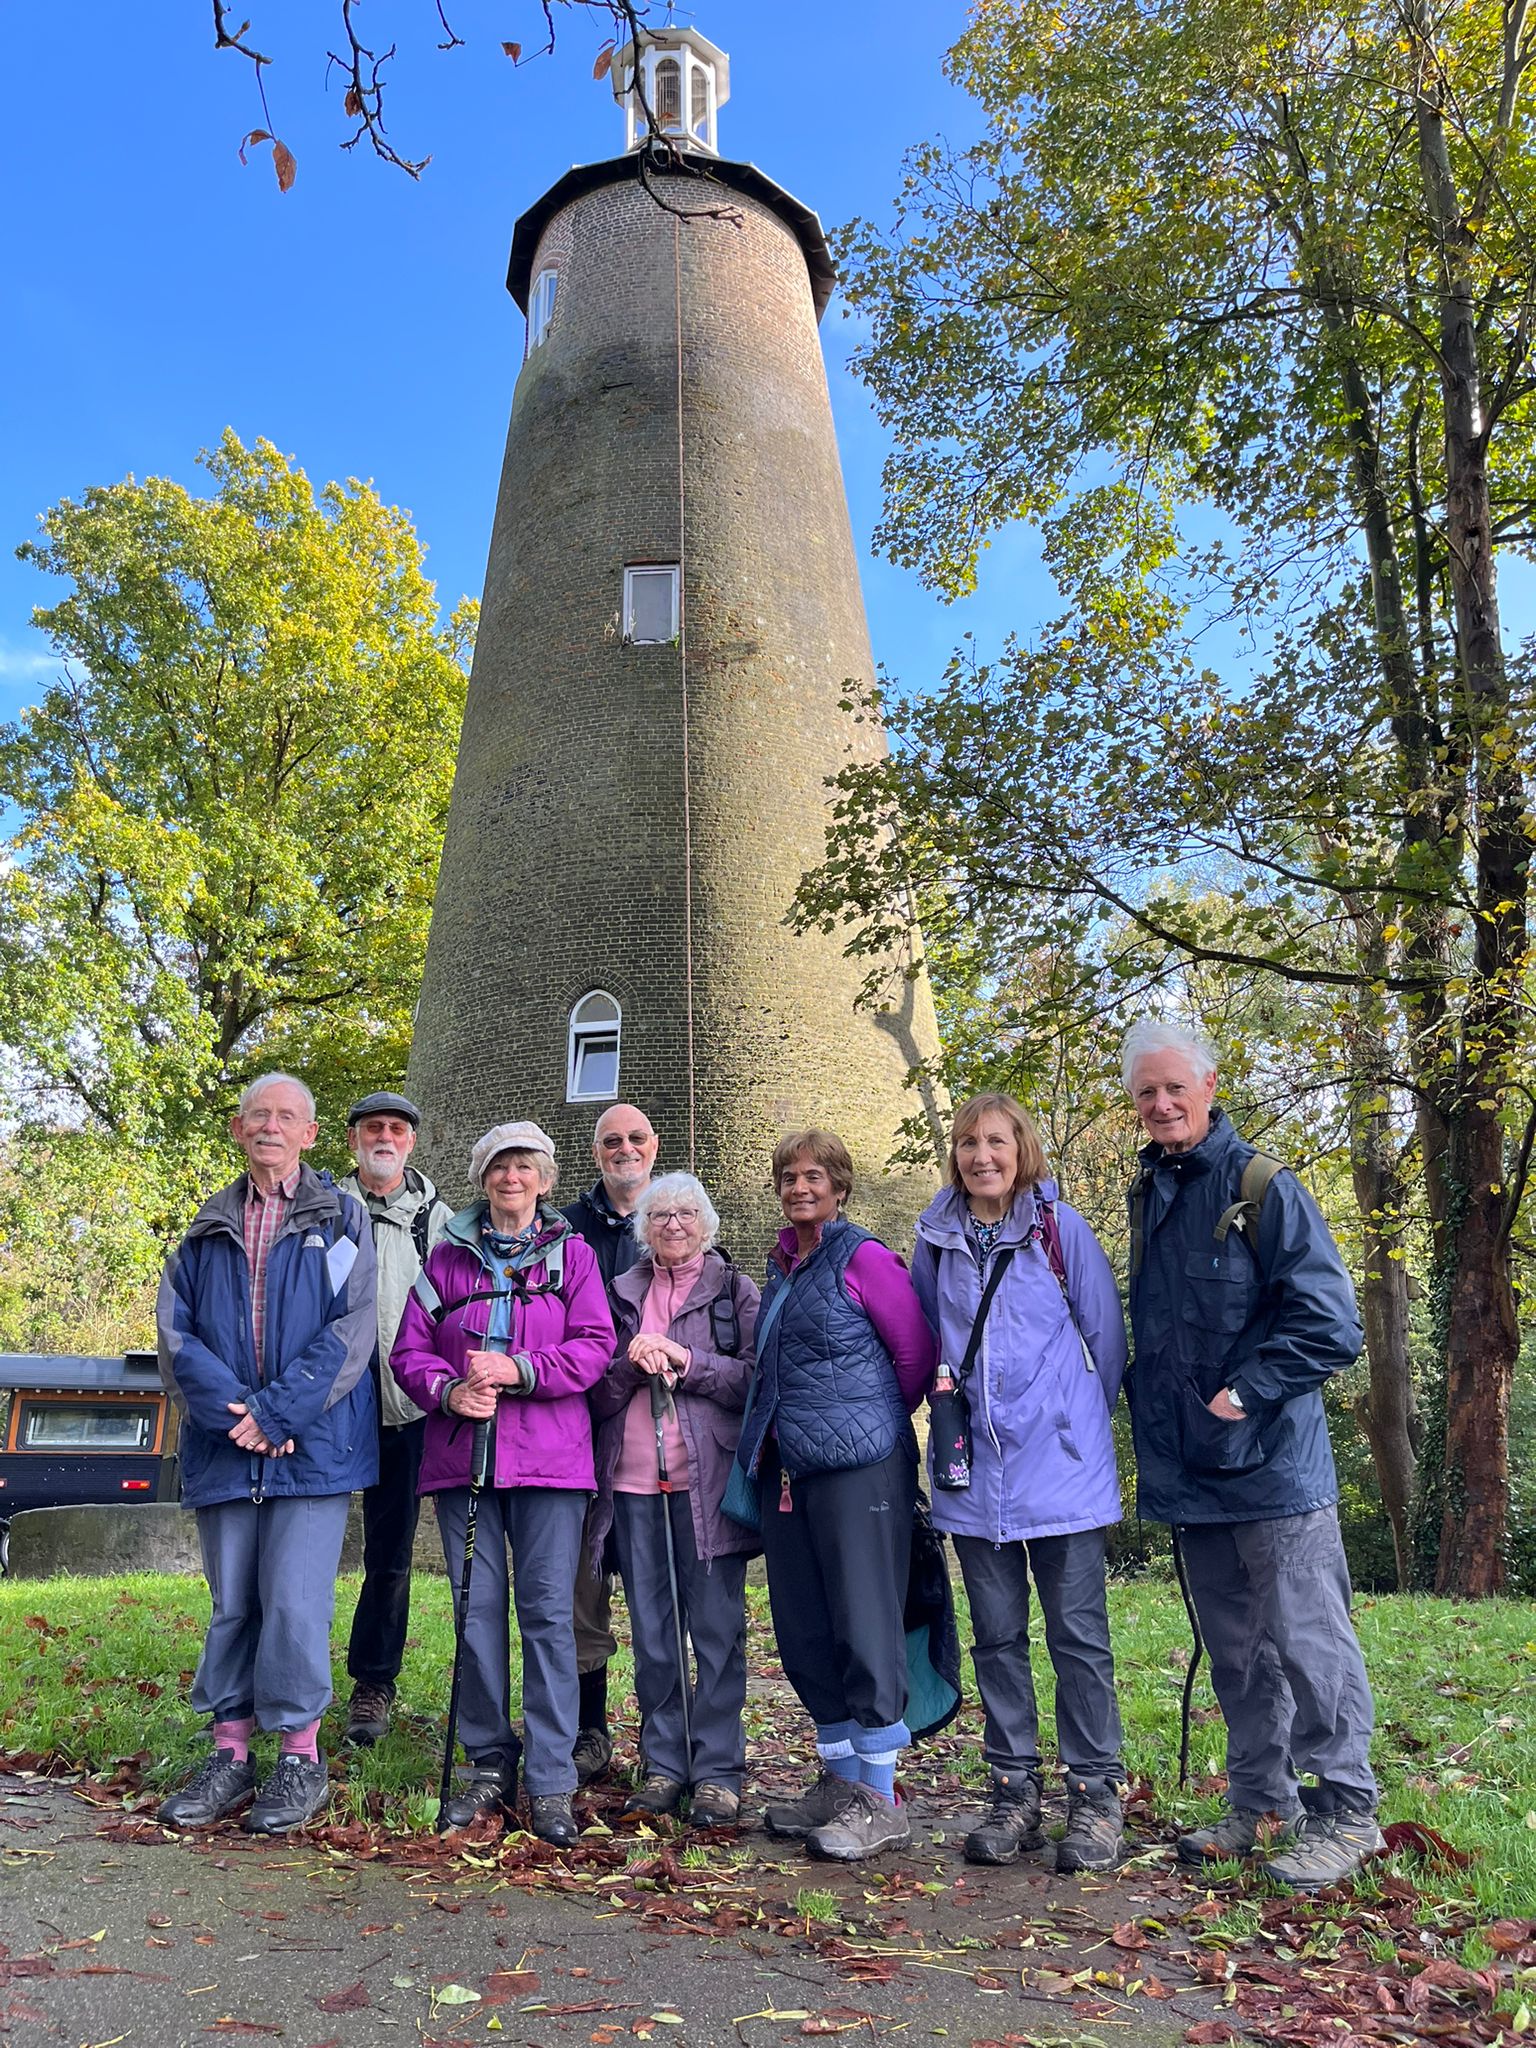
[650, 604]
[541, 307]
[592, 1070]
[669, 94]
[698, 110]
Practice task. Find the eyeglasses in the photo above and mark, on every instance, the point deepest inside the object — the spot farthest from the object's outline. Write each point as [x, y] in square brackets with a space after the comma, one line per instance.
[674, 1216]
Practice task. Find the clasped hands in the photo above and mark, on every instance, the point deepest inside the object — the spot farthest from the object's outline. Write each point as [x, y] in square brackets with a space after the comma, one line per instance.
[659, 1356]
[486, 1374]
[247, 1433]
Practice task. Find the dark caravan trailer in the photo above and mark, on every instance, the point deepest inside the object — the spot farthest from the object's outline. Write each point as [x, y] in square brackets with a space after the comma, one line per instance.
[83, 1431]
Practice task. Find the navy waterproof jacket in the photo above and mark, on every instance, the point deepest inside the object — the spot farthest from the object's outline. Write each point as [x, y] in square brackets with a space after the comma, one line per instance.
[1269, 1311]
[320, 1331]
[825, 1382]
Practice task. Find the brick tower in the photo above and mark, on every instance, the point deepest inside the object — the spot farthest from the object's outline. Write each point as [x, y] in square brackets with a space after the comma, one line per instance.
[671, 613]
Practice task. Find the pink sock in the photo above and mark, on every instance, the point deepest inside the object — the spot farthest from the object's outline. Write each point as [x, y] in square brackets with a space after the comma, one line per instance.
[235, 1735]
[302, 1741]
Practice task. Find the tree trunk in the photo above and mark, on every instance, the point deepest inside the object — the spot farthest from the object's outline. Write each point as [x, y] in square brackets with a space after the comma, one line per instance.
[1481, 1344]
[1482, 1335]
[1387, 1411]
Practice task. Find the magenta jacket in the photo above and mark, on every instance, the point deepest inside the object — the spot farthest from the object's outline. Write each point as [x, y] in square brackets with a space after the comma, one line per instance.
[543, 1438]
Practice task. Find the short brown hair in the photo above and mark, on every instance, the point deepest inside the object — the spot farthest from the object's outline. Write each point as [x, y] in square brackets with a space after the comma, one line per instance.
[824, 1148]
[1034, 1167]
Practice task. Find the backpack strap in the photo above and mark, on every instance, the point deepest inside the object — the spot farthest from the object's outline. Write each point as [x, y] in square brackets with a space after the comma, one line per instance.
[1254, 1186]
[725, 1324]
[1050, 1238]
[421, 1225]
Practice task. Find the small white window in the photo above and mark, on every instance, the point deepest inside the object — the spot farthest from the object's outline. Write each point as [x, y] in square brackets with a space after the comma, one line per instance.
[541, 307]
[650, 604]
[593, 1067]
[698, 109]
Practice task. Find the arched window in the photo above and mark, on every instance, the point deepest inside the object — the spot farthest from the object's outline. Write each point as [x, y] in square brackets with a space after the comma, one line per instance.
[698, 111]
[541, 307]
[592, 1071]
[669, 94]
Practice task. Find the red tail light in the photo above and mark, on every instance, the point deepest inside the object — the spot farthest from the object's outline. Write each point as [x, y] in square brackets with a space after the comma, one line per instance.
[135, 1485]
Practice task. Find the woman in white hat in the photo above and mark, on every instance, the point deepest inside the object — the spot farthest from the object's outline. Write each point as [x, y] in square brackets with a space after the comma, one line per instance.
[509, 1325]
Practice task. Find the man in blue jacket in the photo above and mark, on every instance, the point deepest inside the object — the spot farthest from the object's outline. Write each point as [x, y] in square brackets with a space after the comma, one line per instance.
[1241, 1310]
[266, 1325]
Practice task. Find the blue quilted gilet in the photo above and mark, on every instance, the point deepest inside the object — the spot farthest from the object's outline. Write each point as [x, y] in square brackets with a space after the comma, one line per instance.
[825, 1382]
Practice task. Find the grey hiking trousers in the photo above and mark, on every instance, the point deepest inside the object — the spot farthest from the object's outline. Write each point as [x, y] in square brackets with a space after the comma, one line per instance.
[1273, 1601]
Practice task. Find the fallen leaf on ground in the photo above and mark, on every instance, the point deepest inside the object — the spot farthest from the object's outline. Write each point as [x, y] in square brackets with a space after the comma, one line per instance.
[353, 1999]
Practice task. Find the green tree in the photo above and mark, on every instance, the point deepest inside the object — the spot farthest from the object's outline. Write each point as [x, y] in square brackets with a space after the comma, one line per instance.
[1233, 299]
[231, 803]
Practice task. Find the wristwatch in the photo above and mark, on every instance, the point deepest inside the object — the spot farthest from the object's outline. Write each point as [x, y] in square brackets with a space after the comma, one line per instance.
[1236, 1399]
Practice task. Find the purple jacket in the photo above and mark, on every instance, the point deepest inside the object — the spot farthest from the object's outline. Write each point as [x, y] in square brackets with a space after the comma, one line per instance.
[709, 1399]
[1043, 1457]
[543, 1438]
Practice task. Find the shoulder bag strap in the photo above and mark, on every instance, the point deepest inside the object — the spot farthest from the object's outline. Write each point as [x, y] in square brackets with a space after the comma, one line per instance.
[768, 1316]
[1000, 1266]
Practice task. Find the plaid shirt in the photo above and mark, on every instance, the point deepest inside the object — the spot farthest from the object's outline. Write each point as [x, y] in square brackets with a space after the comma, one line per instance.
[263, 1218]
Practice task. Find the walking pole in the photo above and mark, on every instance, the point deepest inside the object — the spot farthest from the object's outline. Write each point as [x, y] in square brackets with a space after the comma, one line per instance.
[664, 1486]
[479, 1465]
[1194, 1662]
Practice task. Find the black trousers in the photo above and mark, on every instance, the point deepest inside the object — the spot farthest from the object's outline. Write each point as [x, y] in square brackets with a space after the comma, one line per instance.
[390, 1509]
[837, 1584]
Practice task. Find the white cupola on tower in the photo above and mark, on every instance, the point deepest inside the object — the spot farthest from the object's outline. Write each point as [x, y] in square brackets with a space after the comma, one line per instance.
[682, 77]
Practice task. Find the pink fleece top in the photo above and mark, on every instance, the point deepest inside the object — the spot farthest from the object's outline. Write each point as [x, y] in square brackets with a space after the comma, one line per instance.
[636, 1470]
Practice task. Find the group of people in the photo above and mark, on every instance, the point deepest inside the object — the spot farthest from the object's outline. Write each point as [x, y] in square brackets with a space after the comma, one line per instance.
[649, 1406]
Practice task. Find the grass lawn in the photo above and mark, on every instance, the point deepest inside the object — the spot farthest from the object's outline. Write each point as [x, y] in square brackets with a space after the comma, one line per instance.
[94, 1670]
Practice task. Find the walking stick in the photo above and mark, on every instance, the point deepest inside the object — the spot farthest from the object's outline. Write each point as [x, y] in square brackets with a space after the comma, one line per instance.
[1194, 1662]
[479, 1465]
[664, 1486]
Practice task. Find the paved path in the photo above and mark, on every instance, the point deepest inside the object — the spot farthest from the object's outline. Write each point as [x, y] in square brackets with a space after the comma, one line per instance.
[114, 1932]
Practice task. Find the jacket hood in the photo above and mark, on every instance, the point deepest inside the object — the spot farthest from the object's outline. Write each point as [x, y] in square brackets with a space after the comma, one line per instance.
[943, 1222]
[598, 1199]
[465, 1227]
[415, 1192]
[316, 1195]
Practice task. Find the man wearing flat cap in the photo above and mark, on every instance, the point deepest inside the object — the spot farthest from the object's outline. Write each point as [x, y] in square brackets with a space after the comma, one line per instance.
[408, 1217]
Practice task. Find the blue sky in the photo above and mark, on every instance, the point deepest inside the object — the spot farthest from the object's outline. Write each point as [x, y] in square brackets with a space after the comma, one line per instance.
[159, 290]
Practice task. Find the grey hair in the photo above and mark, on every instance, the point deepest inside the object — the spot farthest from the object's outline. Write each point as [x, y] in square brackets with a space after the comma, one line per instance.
[1151, 1034]
[668, 1189]
[263, 1082]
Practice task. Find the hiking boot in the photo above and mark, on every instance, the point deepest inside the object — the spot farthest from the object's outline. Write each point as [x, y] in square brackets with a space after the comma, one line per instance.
[489, 1785]
[592, 1755]
[219, 1786]
[368, 1714]
[1327, 1848]
[657, 1796]
[1095, 1836]
[1235, 1834]
[1012, 1822]
[813, 1809]
[862, 1825]
[295, 1790]
[553, 1820]
[714, 1806]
